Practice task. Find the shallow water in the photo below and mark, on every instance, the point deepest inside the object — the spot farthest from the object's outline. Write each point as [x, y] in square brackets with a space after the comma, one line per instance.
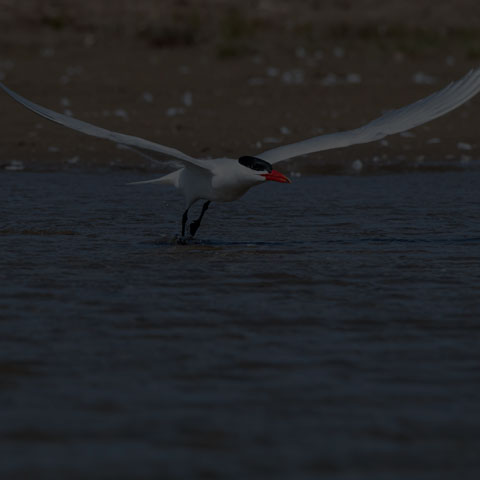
[325, 329]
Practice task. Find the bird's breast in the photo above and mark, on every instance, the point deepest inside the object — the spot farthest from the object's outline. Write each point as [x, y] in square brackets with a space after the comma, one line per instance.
[229, 189]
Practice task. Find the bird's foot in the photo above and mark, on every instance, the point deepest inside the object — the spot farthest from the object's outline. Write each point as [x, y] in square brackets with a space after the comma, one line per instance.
[182, 240]
[194, 227]
[179, 240]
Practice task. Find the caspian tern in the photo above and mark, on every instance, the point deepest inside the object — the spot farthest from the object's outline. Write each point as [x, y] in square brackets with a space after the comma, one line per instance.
[227, 179]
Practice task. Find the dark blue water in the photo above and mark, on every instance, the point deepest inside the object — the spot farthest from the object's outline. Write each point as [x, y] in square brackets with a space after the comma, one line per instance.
[324, 329]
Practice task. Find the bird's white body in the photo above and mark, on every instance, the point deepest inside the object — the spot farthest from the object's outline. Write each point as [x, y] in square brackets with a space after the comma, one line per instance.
[226, 179]
[222, 180]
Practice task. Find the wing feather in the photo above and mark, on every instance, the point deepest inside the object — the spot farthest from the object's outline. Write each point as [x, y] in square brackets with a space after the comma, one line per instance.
[89, 129]
[394, 121]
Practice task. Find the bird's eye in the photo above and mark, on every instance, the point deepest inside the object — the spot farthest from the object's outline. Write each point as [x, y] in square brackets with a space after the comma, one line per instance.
[255, 164]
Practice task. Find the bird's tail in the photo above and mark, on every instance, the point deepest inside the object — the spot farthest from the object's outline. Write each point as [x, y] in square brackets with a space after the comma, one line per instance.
[170, 179]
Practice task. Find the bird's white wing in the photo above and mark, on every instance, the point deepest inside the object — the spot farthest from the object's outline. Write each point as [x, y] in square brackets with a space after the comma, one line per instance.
[89, 129]
[394, 121]
[151, 157]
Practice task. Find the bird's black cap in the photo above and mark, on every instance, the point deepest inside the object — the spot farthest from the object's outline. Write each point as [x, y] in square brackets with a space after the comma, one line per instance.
[256, 164]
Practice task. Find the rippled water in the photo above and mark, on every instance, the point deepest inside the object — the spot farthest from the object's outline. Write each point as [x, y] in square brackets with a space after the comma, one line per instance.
[324, 329]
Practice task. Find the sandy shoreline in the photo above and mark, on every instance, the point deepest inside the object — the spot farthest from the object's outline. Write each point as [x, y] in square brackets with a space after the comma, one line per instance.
[213, 81]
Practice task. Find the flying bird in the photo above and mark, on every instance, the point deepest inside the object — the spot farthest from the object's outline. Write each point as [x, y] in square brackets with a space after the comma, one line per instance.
[227, 179]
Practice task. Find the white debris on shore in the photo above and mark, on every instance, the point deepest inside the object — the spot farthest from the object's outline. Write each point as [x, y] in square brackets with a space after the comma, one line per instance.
[70, 72]
[256, 81]
[272, 140]
[338, 52]
[120, 112]
[174, 111]
[353, 78]
[450, 60]
[329, 80]
[421, 78]
[187, 98]
[273, 71]
[47, 52]
[357, 165]
[73, 160]
[15, 165]
[464, 146]
[293, 77]
[300, 52]
[5, 66]
[332, 79]
[147, 97]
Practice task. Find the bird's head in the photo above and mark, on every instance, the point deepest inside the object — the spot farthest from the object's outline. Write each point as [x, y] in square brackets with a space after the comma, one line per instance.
[262, 170]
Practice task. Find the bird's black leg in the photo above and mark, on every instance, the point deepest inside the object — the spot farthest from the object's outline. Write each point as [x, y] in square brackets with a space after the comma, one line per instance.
[194, 225]
[184, 221]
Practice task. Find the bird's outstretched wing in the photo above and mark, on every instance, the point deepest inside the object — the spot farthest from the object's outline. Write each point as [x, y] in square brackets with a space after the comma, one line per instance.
[89, 129]
[394, 121]
[151, 157]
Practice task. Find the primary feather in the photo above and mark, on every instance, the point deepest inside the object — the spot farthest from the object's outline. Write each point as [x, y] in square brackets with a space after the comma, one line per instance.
[89, 129]
[394, 121]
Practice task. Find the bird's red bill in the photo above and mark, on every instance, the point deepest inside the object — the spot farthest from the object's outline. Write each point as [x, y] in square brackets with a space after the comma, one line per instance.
[276, 177]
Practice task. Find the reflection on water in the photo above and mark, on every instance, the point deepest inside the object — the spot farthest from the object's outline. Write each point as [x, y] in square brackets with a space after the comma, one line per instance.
[327, 328]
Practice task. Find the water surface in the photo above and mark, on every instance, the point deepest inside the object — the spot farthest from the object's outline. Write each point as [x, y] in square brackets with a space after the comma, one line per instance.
[325, 329]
